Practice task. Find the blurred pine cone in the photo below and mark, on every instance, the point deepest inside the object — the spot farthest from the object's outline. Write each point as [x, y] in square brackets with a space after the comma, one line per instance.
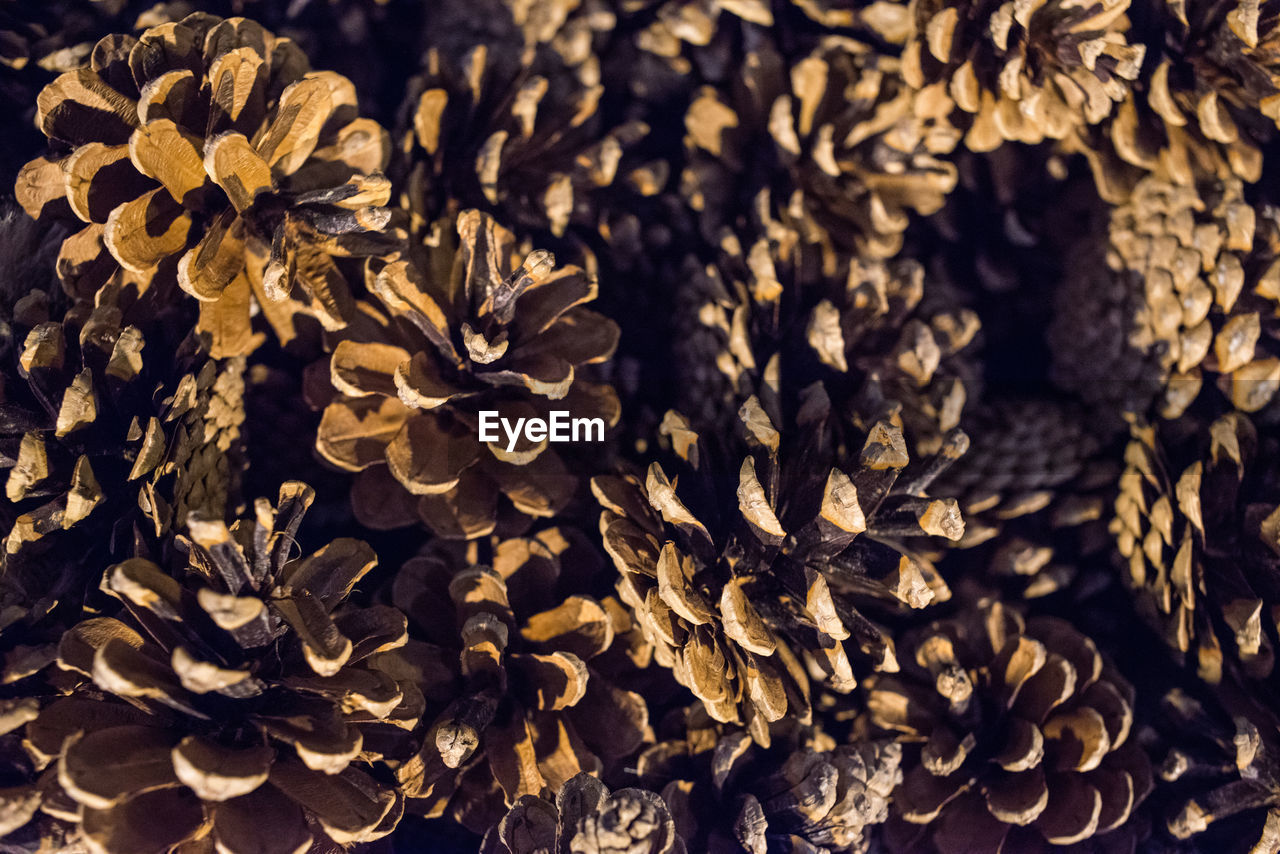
[535, 700]
[1198, 520]
[1028, 458]
[1023, 73]
[1206, 259]
[511, 122]
[875, 325]
[586, 818]
[104, 431]
[1023, 735]
[845, 146]
[463, 328]
[1218, 776]
[745, 606]
[248, 692]
[804, 793]
[206, 153]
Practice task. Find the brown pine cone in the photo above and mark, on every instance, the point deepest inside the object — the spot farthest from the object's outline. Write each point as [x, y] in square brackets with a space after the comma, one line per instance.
[1220, 777]
[101, 431]
[467, 328]
[1021, 73]
[1206, 259]
[1029, 458]
[1204, 106]
[804, 793]
[1023, 736]
[250, 699]
[850, 148]
[586, 819]
[535, 700]
[509, 121]
[745, 606]
[1198, 520]
[205, 153]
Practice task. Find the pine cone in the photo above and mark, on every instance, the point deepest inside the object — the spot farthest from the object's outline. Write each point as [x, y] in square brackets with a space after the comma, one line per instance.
[885, 322]
[804, 793]
[743, 607]
[878, 331]
[1207, 263]
[102, 429]
[585, 818]
[509, 121]
[467, 329]
[850, 148]
[1029, 457]
[204, 152]
[535, 700]
[1220, 774]
[250, 700]
[1201, 534]
[1024, 734]
[1204, 106]
[1023, 73]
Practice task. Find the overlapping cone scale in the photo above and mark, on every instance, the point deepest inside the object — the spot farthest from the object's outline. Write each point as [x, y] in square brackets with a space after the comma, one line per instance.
[104, 435]
[846, 148]
[746, 571]
[510, 121]
[586, 817]
[522, 682]
[237, 694]
[473, 323]
[1017, 734]
[205, 153]
[1020, 72]
[1196, 526]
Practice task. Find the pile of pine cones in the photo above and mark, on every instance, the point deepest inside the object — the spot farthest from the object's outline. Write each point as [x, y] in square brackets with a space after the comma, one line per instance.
[936, 351]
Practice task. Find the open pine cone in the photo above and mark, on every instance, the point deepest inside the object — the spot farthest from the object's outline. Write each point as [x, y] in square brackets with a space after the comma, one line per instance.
[1018, 736]
[804, 793]
[535, 700]
[1220, 775]
[247, 694]
[1200, 529]
[850, 148]
[1207, 102]
[1023, 73]
[745, 596]
[473, 327]
[586, 818]
[206, 153]
[514, 127]
[103, 427]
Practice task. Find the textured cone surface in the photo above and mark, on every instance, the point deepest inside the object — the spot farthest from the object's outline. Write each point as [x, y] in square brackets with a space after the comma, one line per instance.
[1021, 731]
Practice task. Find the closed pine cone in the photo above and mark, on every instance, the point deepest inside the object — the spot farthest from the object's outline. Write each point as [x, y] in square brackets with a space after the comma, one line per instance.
[1206, 259]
